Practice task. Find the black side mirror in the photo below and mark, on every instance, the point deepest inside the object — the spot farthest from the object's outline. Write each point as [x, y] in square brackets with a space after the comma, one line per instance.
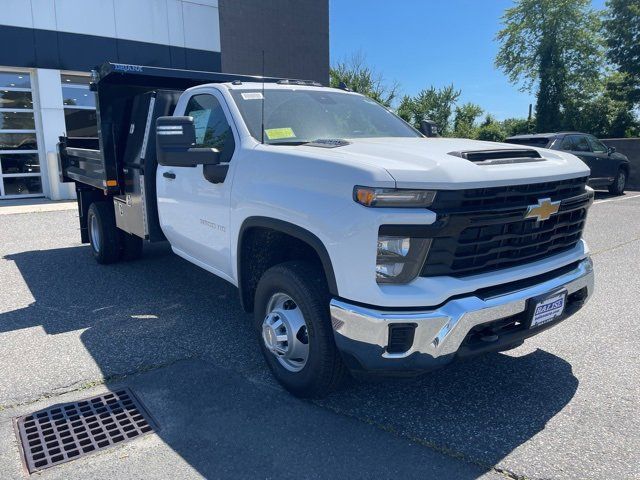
[175, 144]
[428, 128]
[611, 150]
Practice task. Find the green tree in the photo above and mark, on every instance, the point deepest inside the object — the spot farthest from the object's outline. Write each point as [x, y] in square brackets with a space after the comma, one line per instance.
[436, 104]
[464, 121]
[491, 130]
[517, 126]
[606, 115]
[553, 47]
[361, 78]
[622, 33]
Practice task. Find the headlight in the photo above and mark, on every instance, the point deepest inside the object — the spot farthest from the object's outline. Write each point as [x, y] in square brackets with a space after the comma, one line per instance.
[393, 197]
[400, 259]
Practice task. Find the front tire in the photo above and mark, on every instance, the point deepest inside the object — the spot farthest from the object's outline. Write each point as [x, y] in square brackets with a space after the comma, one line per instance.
[103, 234]
[619, 183]
[294, 330]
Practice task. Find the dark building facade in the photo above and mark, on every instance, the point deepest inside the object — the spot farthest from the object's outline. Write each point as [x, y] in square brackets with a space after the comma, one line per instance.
[294, 35]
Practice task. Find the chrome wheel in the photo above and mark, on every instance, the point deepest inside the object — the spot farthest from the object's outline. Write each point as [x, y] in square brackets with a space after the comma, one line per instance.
[284, 332]
[95, 233]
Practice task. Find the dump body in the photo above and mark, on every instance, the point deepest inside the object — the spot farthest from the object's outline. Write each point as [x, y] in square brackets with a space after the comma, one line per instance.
[121, 162]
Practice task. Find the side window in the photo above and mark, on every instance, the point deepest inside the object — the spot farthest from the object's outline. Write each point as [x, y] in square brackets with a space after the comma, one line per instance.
[597, 146]
[212, 128]
[567, 144]
[581, 143]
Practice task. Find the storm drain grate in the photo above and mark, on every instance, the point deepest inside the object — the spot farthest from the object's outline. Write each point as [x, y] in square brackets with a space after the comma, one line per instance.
[68, 431]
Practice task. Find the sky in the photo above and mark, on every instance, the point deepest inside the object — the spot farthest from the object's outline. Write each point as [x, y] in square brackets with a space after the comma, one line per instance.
[431, 42]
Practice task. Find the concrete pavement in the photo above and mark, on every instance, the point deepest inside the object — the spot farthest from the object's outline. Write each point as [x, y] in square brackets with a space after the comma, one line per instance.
[564, 405]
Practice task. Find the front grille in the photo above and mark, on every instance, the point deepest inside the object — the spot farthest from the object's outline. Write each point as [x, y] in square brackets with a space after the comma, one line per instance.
[483, 230]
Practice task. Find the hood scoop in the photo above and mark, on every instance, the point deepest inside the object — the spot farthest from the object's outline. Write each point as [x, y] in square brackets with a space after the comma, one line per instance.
[500, 156]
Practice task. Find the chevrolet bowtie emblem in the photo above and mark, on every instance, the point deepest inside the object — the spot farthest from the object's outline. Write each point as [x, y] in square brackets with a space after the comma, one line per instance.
[543, 210]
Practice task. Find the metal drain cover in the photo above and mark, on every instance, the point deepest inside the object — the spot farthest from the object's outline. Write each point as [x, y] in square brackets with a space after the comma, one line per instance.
[68, 431]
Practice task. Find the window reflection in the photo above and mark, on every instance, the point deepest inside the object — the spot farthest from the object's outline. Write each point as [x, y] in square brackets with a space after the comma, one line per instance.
[17, 121]
[15, 163]
[79, 106]
[15, 80]
[11, 99]
[22, 185]
[18, 141]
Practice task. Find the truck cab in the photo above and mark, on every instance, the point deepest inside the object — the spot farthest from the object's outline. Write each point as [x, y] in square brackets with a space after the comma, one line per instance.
[359, 244]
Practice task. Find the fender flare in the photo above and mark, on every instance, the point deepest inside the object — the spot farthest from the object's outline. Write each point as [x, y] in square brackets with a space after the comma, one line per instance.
[294, 231]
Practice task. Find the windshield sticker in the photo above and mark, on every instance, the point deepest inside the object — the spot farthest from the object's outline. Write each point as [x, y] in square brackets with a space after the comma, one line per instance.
[252, 96]
[200, 122]
[279, 133]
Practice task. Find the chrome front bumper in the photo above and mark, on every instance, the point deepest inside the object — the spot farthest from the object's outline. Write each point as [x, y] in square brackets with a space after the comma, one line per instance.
[362, 333]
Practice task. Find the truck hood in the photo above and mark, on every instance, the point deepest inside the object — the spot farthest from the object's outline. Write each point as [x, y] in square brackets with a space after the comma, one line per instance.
[428, 162]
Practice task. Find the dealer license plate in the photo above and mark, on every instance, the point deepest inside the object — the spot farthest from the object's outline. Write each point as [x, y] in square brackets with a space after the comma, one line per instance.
[548, 309]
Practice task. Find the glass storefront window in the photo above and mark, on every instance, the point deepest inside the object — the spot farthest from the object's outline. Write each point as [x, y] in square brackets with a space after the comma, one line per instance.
[19, 157]
[79, 106]
[13, 99]
[18, 141]
[15, 80]
[22, 185]
[80, 122]
[17, 163]
[75, 97]
[17, 121]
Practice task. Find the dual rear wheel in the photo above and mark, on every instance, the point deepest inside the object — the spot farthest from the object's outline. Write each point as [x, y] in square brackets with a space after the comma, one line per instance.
[109, 244]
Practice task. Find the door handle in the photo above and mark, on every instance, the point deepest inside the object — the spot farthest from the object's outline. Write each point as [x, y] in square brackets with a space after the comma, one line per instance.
[170, 175]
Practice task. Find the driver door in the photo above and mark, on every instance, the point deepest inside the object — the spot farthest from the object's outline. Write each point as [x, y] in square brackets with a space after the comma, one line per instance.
[193, 202]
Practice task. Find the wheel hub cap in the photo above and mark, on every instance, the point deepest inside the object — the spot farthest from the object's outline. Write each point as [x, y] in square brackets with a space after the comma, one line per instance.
[95, 235]
[284, 332]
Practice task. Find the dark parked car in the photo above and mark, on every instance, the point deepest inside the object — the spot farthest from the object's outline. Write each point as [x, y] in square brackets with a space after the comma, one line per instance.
[608, 168]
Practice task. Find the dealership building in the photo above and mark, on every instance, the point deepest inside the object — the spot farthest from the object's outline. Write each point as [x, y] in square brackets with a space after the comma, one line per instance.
[50, 46]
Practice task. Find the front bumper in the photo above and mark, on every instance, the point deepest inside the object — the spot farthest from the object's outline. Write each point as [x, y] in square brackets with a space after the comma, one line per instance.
[487, 320]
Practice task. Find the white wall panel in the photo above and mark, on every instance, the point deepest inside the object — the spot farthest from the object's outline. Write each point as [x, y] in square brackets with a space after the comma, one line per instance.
[142, 20]
[176, 27]
[181, 23]
[209, 3]
[201, 27]
[16, 13]
[44, 14]
[91, 17]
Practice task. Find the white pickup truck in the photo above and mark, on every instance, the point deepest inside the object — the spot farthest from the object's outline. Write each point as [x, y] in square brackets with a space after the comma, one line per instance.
[358, 243]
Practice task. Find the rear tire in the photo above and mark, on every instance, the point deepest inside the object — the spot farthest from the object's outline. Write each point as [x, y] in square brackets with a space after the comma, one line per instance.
[619, 183]
[308, 364]
[131, 246]
[104, 236]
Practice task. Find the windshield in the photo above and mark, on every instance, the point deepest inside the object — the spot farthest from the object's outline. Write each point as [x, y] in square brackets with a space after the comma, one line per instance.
[300, 116]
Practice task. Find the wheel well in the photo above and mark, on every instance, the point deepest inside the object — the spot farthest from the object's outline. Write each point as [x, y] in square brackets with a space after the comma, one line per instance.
[262, 247]
[625, 167]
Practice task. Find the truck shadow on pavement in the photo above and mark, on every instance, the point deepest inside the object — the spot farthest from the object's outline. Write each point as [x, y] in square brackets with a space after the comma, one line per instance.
[179, 338]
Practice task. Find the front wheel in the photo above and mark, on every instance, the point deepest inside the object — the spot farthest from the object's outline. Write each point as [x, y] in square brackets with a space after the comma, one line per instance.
[619, 183]
[294, 330]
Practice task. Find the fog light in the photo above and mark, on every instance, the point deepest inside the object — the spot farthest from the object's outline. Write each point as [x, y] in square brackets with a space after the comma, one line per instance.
[393, 245]
[400, 259]
[387, 270]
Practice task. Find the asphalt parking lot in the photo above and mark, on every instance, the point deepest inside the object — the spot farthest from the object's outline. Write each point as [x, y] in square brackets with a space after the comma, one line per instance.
[565, 405]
